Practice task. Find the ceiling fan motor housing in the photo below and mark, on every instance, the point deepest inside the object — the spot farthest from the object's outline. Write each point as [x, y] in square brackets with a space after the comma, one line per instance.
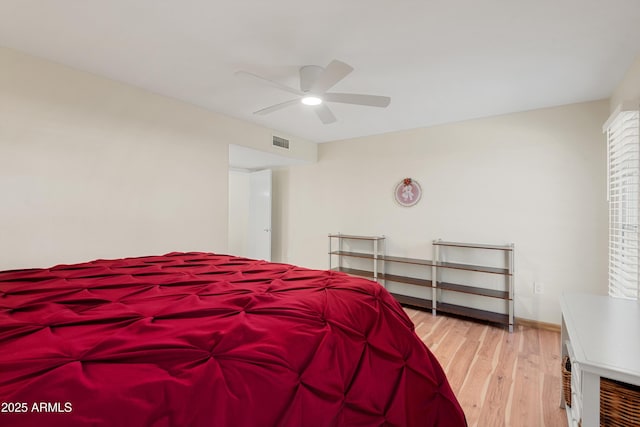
[308, 75]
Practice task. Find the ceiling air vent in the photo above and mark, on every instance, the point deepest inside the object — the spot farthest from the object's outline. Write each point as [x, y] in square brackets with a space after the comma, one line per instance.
[280, 142]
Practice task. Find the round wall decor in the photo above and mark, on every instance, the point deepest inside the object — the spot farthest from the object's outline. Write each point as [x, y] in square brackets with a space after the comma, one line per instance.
[407, 192]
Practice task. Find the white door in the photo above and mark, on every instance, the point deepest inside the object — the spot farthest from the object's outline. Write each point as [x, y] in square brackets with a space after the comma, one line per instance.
[259, 237]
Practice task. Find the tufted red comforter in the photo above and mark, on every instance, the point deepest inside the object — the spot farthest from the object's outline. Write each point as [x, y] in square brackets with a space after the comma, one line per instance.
[197, 339]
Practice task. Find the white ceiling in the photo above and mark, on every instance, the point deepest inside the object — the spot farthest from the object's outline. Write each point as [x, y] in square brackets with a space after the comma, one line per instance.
[439, 60]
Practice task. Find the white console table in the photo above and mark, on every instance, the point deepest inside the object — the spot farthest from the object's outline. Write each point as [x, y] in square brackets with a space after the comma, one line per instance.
[601, 335]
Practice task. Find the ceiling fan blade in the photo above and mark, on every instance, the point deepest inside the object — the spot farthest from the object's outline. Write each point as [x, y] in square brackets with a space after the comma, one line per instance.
[354, 98]
[277, 107]
[324, 114]
[246, 74]
[335, 71]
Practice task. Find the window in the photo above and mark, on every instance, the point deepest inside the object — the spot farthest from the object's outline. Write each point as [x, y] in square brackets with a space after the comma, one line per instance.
[623, 158]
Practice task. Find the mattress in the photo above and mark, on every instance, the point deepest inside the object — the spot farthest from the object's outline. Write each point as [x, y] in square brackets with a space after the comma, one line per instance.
[201, 339]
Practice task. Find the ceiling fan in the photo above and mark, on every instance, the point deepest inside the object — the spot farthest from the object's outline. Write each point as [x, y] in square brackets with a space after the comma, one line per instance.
[315, 81]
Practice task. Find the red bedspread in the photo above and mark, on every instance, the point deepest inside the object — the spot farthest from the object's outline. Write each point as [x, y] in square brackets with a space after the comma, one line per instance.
[196, 339]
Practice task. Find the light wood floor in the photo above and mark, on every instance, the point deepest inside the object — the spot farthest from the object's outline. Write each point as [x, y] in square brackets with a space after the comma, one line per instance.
[500, 379]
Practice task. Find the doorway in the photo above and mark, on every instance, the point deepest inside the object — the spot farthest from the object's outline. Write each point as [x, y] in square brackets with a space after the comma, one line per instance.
[251, 198]
[250, 213]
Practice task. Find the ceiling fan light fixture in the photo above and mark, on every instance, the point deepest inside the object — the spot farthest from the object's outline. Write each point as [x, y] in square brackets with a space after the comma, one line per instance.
[311, 100]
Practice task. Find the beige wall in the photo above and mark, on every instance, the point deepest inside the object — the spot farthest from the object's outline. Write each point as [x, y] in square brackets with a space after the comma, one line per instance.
[92, 168]
[536, 179]
[629, 87]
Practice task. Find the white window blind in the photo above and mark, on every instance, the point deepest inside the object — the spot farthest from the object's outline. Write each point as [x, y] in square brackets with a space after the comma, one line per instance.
[623, 155]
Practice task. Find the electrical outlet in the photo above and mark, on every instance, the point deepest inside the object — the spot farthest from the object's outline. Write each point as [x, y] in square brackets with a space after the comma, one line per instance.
[538, 287]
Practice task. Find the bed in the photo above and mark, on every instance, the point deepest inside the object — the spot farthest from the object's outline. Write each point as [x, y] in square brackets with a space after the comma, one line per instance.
[201, 339]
